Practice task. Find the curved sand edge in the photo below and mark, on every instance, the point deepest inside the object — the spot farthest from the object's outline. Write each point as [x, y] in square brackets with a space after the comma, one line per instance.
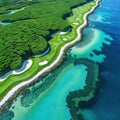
[13, 90]
[26, 65]
[42, 54]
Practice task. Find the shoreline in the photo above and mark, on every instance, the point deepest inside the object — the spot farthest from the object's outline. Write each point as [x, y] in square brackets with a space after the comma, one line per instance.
[54, 63]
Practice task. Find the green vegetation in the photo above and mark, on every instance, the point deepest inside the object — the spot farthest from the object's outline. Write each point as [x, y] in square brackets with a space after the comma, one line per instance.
[55, 44]
[29, 29]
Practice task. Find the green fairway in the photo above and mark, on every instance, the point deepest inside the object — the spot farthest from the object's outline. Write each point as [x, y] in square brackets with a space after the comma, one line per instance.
[55, 45]
[27, 31]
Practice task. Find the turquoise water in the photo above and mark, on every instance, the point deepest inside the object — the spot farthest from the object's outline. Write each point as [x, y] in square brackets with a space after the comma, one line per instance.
[107, 105]
[94, 40]
[51, 104]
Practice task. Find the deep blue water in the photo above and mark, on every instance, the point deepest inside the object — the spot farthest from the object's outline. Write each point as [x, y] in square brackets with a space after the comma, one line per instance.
[107, 106]
[101, 44]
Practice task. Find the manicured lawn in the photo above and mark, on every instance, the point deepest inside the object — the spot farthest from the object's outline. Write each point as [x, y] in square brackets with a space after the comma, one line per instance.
[55, 44]
[29, 29]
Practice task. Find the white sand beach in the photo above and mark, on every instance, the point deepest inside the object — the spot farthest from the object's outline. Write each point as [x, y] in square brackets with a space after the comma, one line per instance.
[62, 51]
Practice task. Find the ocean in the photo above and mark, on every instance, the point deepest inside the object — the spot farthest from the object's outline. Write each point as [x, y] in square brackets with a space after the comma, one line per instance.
[46, 100]
[107, 104]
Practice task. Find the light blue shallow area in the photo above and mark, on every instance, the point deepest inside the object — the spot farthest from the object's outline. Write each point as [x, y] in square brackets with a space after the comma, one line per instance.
[95, 40]
[51, 104]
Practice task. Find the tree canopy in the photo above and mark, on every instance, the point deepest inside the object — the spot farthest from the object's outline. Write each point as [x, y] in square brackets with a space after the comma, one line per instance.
[29, 29]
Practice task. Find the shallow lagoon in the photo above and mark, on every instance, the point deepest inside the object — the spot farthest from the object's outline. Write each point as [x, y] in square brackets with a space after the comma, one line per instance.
[52, 102]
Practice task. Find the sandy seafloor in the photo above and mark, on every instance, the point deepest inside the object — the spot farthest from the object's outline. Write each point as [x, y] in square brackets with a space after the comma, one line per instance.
[101, 43]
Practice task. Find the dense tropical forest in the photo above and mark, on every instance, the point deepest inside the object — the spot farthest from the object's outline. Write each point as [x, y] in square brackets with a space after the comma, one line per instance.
[30, 28]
